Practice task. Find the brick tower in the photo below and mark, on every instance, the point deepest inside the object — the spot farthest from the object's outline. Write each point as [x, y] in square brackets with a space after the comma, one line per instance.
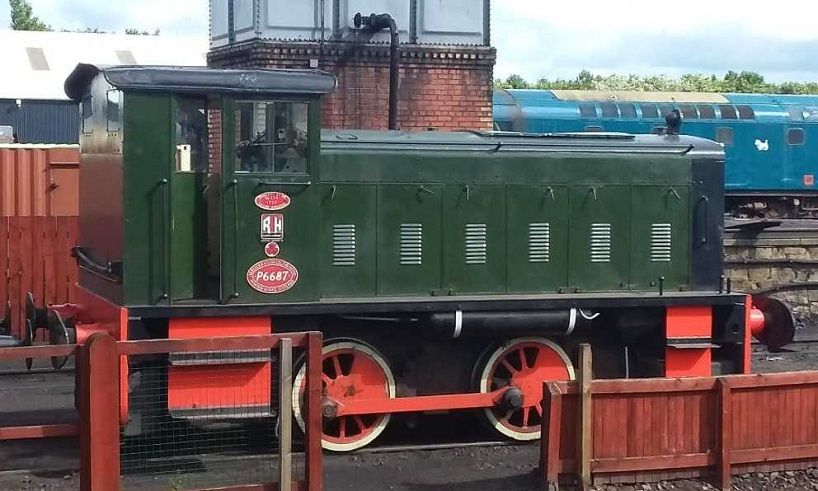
[445, 61]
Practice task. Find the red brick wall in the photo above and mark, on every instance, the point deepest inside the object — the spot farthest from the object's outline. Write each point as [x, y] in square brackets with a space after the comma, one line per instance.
[443, 88]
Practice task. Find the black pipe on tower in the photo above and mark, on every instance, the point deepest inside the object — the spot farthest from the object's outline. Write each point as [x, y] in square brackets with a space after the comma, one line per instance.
[379, 22]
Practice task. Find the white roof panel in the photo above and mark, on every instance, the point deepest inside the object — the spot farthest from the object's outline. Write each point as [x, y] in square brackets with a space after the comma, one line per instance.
[36, 64]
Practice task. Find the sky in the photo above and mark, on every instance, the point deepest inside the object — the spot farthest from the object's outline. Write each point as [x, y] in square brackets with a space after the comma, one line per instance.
[538, 38]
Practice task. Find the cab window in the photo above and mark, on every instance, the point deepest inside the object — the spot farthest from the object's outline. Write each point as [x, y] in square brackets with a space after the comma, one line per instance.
[271, 137]
[191, 135]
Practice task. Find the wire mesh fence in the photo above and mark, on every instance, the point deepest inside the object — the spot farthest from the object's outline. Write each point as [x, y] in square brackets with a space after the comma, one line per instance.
[38, 415]
[211, 418]
[167, 414]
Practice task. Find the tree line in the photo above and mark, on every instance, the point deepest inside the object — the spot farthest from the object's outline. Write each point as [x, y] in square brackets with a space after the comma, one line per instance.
[23, 19]
[743, 82]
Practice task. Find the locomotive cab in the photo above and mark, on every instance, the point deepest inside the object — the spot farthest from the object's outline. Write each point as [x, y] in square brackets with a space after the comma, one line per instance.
[182, 157]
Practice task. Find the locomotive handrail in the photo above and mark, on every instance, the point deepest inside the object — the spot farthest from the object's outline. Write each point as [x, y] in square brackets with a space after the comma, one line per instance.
[112, 271]
[704, 199]
[264, 182]
[165, 238]
[234, 184]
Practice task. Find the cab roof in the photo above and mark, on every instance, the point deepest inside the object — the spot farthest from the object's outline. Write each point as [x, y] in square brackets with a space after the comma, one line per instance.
[198, 80]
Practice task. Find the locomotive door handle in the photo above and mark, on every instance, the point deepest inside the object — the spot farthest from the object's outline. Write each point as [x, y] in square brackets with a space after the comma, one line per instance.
[593, 191]
[426, 190]
[165, 238]
[674, 193]
[234, 187]
[706, 201]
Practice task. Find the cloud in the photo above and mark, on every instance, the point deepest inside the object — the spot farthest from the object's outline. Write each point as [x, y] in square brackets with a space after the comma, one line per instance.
[536, 39]
[171, 17]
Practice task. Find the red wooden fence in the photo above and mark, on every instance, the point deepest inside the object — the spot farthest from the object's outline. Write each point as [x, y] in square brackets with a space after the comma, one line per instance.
[39, 196]
[656, 429]
[35, 256]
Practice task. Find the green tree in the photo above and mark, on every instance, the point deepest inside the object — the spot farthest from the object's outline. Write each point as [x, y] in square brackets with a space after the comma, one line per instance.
[732, 81]
[23, 18]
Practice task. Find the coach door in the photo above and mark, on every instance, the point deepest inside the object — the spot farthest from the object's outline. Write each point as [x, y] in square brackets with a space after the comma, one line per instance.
[269, 202]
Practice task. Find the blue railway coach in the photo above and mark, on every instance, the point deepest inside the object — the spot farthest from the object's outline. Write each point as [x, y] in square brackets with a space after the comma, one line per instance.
[771, 141]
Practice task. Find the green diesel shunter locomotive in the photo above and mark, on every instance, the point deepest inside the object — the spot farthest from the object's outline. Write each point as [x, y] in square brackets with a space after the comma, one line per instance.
[446, 270]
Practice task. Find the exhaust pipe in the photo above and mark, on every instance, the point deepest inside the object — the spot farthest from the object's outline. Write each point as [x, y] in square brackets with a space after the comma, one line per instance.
[375, 23]
[461, 324]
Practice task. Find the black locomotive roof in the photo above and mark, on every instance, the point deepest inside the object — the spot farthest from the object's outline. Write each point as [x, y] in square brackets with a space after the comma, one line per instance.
[591, 142]
[201, 79]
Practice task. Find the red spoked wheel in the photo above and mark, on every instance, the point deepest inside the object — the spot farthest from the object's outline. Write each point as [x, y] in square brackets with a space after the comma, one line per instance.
[522, 363]
[350, 370]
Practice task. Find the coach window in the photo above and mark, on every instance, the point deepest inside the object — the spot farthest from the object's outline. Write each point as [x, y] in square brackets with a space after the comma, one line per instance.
[796, 136]
[746, 112]
[664, 110]
[689, 112]
[728, 112]
[725, 136]
[707, 112]
[649, 111]
[587, 110]
[627, 110]
[609, 110]
[271, 137]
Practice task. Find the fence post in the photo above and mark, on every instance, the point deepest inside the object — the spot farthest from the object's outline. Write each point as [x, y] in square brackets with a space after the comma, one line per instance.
[315, 467]
[585, 426]
[724, 441]
[550, 435]
[285, 437]
[99, 414]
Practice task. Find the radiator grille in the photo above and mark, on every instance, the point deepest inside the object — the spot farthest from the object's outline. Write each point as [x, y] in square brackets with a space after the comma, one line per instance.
[476, 243]
[343, 245]
[539, 242]
[411, 244]
[601, 243]
[660, 240]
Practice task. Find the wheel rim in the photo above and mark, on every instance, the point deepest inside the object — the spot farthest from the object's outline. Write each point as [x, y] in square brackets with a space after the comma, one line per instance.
[351, 370]
[524, 363]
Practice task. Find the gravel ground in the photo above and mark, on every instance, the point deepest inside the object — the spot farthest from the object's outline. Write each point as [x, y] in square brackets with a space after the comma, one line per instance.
[507, 468]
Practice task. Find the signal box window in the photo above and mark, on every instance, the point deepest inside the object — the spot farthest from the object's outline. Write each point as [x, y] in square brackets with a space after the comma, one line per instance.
[725, 136]
[707, 112]
[191, 135]
[650, 111]
[746, 112]
[609, 110]
[627, 110]
[271, 137]
[796, 136]
[728, 112]
[587, 110]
